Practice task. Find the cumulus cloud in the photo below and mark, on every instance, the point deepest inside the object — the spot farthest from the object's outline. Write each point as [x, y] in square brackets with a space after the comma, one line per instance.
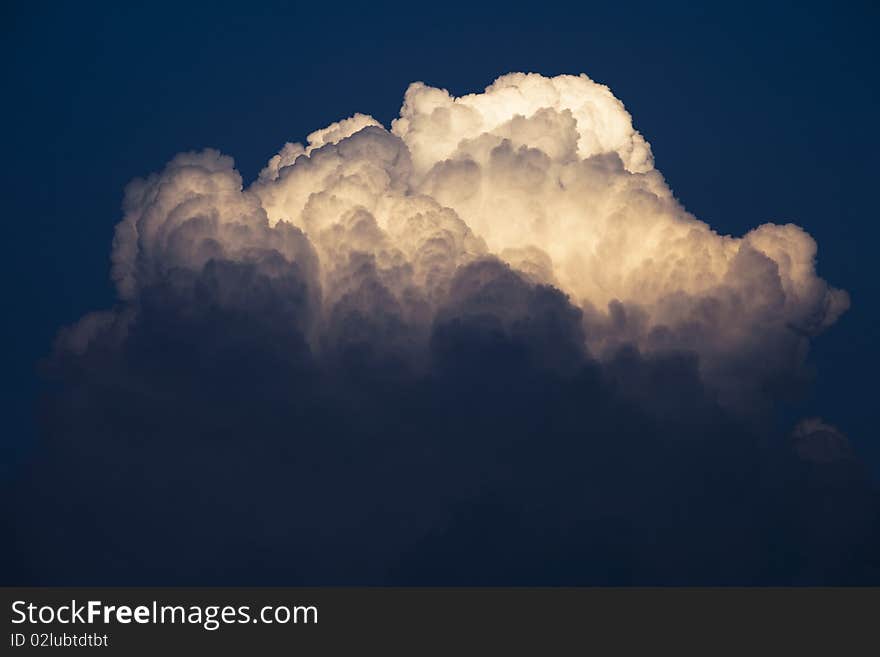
[545, 174]
[496, 307]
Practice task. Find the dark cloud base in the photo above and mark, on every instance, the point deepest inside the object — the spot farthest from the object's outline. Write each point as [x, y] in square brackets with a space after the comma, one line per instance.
[215, 440]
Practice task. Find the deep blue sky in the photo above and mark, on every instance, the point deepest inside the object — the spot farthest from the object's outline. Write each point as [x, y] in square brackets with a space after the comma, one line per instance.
[756, 112]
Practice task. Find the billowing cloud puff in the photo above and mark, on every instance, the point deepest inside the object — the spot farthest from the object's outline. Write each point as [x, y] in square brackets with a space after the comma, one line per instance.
[819, 442]
[491, 326]
[545, 175]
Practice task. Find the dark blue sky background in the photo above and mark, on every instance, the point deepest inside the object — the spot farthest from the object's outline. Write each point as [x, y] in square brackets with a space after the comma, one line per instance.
[755, 111]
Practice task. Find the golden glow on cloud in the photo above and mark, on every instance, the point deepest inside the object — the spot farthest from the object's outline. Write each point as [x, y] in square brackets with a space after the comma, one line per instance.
[547, 174]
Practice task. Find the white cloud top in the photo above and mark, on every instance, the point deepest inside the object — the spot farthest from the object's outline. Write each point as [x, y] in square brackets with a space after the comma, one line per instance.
[547, 175]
